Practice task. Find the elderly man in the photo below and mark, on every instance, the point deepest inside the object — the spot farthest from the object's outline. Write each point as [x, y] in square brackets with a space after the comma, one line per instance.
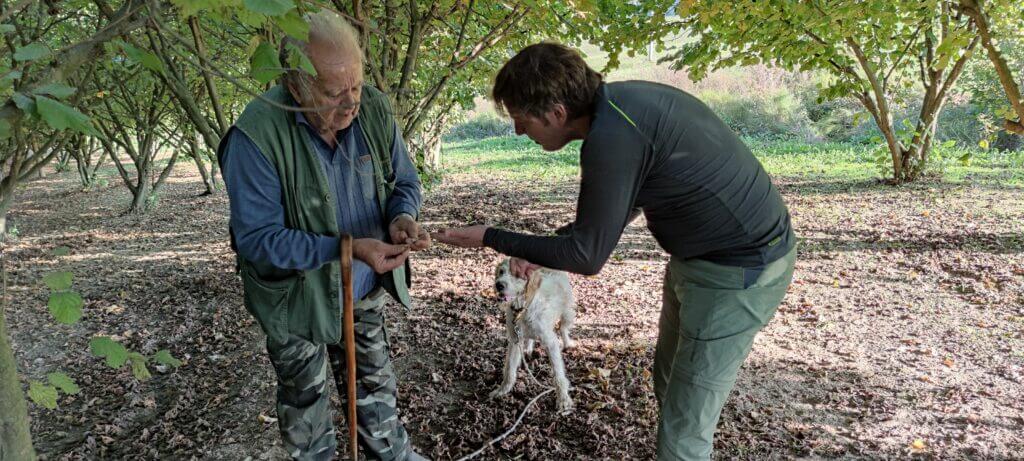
[297, 180]
[707, 200]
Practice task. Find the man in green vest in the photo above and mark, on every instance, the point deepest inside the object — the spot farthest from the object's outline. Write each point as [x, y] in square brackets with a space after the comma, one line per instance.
[708, 202]
[297, 180]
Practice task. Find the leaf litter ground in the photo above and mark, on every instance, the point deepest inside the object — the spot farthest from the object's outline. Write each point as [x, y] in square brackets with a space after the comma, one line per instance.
[902, 335]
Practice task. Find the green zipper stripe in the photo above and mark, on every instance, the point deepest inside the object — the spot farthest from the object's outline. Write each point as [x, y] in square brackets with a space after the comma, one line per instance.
[631, 122]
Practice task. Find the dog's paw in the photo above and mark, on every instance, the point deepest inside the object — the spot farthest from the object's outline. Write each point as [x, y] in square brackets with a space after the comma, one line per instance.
[568, 344]
[565, 405]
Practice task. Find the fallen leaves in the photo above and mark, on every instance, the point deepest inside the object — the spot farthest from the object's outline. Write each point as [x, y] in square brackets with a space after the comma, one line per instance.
[875, 347]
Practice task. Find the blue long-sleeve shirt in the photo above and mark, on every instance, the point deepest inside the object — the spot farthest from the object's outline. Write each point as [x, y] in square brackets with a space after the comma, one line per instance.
[257, 210]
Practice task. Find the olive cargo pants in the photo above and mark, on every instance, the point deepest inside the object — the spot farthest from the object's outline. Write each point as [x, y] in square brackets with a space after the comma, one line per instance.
[710, 315]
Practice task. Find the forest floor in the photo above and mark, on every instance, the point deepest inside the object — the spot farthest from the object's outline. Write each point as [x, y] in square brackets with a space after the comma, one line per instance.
[902, 334]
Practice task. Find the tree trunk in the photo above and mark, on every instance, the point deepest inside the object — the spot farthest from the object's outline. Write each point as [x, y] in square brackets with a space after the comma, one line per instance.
[63, 158]
[197, 155]
[140, 193]
[880, 113]
[7, 188]
[87, 169]
[214, 169]
[15, 438]
[432, 152]
[84, 176]
[976, 11]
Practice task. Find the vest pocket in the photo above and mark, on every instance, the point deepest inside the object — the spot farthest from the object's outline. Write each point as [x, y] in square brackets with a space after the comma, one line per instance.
[365, 177]
[267, 300]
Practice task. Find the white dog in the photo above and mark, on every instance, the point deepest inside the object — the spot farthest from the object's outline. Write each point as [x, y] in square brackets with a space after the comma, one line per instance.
[532, 309]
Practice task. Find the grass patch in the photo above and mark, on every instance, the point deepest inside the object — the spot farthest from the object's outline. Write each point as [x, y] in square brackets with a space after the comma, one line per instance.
[511, 157]
[517, 157]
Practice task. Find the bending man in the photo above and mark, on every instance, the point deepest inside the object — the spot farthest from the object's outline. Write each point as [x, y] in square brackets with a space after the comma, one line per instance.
[709, 203]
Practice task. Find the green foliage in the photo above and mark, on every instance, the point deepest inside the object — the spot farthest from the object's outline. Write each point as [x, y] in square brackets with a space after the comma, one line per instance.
[9, 78]
[145, 58]
[58, 281]
[786, 160]
[164, 357]
[25, 103]
[264, 65]
[115, 354]
[963, 122]
[31, 52]
[297, 60]
[980, 80]
[512, 157]
[482, 126]
[947, 155]
[66, 306]
[777, 114]
[46, 395]
[191, 7]
[293, 24]
[61, 117]
[43, 394]
[622, 27]
[63, 382]
[270, 7]
[57, 90]
[872, 49]
[139, 369]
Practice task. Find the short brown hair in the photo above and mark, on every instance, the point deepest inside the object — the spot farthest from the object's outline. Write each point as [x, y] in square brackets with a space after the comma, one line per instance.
[542, 75]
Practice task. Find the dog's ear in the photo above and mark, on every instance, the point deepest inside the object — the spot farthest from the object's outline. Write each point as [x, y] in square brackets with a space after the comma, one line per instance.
[531, 287]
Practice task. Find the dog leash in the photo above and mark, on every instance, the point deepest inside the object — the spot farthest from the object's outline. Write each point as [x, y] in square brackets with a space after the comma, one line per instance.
[509, 431]
[519, 339]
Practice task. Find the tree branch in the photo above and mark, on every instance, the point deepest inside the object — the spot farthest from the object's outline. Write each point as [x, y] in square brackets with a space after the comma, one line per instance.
[71, 59]
[975, 10]
[211, 89]
[15, 9]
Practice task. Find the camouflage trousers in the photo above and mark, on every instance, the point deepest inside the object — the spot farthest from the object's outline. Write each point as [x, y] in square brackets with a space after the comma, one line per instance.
[303, 398]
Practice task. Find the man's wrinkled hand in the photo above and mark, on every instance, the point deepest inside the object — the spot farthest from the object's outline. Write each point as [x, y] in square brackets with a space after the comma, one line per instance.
[406, 231]
[382, 257]
[465, 237]
[522, 268]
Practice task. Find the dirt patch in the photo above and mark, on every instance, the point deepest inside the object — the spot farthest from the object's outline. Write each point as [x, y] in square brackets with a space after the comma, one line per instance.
[903, 334]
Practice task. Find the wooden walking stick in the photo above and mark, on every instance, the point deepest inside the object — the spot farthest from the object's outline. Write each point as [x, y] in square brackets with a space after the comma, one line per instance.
[348, 330]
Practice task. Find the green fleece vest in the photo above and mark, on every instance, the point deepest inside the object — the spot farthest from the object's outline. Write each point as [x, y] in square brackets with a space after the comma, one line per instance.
[307, 303]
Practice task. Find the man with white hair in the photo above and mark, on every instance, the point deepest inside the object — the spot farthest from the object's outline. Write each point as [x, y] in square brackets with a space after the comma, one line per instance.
[297, 180]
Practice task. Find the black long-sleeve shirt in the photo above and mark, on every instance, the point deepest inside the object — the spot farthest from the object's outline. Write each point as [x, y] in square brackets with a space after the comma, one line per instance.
[657, 148]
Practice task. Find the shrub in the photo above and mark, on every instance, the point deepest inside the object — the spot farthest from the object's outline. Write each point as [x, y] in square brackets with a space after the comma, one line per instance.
[484, 125]
[775, 114]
